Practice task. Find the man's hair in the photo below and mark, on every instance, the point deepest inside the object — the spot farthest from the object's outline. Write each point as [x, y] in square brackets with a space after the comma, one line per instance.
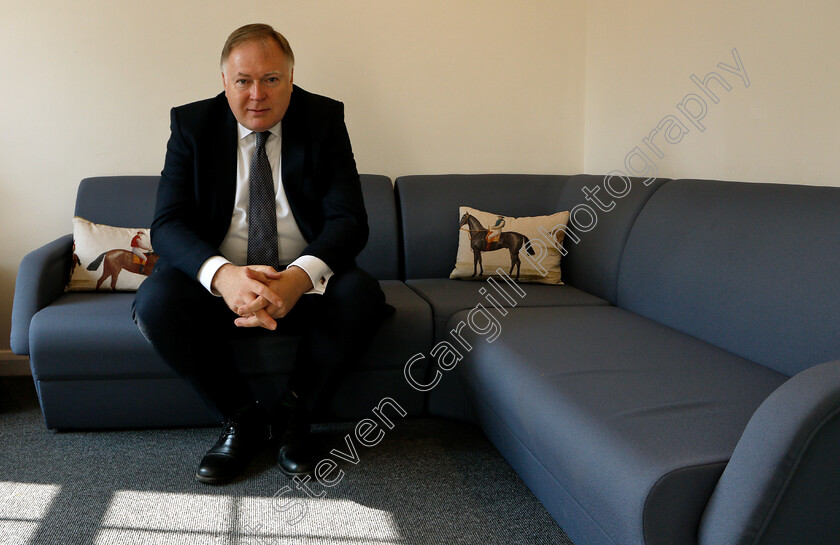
[256, 31]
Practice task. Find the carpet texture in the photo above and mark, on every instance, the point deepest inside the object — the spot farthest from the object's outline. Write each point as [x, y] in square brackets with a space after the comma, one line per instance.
[429, 481]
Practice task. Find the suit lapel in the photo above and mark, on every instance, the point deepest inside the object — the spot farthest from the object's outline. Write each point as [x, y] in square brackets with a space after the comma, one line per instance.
[292, 163]
[223, 173]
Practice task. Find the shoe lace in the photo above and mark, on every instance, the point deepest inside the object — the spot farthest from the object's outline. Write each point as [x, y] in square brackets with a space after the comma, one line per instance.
[233, 426]
[230, 427]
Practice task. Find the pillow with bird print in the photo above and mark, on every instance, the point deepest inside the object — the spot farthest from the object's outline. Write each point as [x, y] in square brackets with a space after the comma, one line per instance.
[109, 258]
[528, 249]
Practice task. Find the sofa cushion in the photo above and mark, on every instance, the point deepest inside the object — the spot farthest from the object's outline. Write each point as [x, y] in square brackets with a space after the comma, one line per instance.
[78, 336]
[527, 247]
[121, 201]
[593, 263]
[94, 327]
[103, 257]
[427, 205]
[380, 256]
[633, 421]
[752, 268]
[447, 297]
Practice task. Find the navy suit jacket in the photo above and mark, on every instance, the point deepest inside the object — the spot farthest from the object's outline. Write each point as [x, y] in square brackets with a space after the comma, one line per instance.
[198, 184]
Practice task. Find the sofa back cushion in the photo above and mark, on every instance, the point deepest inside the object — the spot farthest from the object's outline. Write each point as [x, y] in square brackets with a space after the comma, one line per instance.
[381, 256]
[593, 264]
[119, 201]
[428, 209]
[428, 212]
[129, 201]
[751, 268]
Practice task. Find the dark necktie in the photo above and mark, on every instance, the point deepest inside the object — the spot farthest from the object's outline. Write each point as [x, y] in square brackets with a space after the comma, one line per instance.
[262, 209]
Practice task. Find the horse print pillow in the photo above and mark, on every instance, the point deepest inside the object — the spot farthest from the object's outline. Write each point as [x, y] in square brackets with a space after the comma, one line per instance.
[109, 258]
[527, 249]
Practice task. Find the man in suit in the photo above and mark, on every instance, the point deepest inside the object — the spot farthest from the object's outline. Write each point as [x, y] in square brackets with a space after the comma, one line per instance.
[259, 218]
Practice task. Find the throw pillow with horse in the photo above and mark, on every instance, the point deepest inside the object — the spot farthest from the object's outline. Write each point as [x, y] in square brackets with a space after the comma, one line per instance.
[108, 257]
[525, 248]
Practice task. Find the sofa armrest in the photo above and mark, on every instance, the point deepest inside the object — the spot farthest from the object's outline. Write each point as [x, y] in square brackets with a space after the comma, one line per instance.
[782, 484]
[41, 279]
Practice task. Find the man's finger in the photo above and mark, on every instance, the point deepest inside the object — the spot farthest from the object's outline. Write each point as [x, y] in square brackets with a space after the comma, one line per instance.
[250, 307]
[261, 273]
[259, 319]
[252, 296]
[258, 304]
[265, 320]
[263, 298]
[248, 321]
[276, 312]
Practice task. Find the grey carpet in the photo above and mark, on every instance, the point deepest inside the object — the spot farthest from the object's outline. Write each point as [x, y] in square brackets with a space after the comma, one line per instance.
[429, 481]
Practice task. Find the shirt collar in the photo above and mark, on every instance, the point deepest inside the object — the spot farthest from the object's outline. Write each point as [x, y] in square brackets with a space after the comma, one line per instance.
[243, 132]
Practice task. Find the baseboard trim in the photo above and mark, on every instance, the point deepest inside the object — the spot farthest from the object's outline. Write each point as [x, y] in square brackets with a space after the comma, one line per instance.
[12, 365]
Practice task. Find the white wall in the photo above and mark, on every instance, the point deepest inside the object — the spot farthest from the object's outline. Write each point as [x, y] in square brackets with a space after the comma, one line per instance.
[782, 128]
[429, 87]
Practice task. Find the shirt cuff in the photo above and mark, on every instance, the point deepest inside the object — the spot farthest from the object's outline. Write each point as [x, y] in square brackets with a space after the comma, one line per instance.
[208, 271]
[318, 271]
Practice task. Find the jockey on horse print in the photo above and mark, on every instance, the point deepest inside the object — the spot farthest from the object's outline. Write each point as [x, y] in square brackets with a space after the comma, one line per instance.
[495, 231]
[140, 247]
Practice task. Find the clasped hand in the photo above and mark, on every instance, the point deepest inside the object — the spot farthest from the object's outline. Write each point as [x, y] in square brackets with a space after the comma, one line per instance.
[259, 294]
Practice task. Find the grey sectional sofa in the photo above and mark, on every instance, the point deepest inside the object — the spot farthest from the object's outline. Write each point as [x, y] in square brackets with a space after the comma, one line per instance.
[682, 387]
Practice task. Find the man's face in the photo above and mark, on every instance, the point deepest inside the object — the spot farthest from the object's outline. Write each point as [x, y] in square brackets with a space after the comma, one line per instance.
[258, 84]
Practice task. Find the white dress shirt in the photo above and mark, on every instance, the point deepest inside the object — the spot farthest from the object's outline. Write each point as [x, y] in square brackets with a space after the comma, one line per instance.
[290, 241]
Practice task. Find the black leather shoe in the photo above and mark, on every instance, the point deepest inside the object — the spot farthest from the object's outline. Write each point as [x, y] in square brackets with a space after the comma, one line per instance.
[240, 440]
[297, 453]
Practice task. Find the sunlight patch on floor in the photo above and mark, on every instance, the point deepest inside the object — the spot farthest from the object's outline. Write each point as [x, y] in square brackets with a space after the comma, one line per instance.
[169, 512]
[22, 508]
[328, 520]
[15, 532]
[26, 501]
[158, 518]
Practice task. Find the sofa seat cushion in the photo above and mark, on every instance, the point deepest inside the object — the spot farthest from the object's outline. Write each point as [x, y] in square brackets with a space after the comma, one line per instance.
[633, 421]
[77, 337]
[447, 297]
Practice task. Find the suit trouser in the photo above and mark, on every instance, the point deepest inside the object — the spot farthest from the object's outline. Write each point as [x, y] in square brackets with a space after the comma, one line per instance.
[193, 330]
